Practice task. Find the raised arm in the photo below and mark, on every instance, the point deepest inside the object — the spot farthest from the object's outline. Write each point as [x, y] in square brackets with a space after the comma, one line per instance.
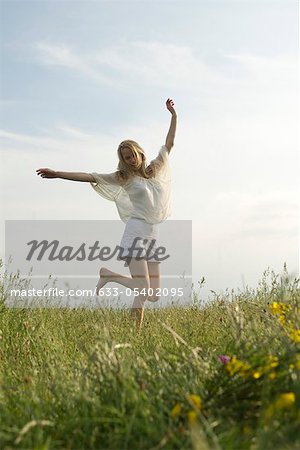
[172, 130]
[74, 176]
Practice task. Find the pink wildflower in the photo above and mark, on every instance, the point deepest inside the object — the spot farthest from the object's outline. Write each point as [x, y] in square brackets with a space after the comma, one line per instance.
[224, 359]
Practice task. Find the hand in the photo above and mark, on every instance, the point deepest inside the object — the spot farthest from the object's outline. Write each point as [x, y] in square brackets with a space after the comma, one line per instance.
[46, 173]
[170, 106]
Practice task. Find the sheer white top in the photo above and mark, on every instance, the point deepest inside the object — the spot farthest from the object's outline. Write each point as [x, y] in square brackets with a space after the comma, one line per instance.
[148, 199]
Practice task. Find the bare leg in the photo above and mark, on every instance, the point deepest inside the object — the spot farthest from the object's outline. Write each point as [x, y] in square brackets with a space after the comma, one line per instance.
[154, 275]
[139, 280]
[140, 274]
[107, 276]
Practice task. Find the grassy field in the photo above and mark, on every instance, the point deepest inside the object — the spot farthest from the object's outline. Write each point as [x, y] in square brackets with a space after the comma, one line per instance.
[223, 375]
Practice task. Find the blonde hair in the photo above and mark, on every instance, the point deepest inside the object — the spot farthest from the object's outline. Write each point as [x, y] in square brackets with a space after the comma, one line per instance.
[125, 170]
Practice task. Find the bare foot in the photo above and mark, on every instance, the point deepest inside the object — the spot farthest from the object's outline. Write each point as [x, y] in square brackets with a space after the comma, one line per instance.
[104, 278]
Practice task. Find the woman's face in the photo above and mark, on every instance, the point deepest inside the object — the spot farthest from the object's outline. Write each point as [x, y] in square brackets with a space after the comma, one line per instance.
[129, 158]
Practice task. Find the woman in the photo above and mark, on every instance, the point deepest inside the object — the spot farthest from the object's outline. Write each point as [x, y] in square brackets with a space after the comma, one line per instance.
[143, 198]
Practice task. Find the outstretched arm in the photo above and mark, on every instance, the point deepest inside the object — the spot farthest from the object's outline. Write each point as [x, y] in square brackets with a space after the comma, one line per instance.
[74, 176]
[172, 130]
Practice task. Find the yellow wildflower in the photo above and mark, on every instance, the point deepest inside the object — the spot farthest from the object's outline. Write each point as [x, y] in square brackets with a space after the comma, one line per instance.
[192, 417]
[295, 335]
[273, 361]
[285, 400]
[176, 410]
[237, 366]
[257, 374]
[272, 375]
[279, 308]
[281, 319]
[195, 400]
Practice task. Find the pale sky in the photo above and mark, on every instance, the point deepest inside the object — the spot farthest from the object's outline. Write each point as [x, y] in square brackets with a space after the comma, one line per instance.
[77, 78]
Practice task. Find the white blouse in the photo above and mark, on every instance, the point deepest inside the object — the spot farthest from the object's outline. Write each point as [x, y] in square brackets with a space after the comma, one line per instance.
[144, 198]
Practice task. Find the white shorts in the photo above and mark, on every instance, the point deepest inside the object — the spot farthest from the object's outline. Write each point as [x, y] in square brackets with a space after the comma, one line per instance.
[140, 239]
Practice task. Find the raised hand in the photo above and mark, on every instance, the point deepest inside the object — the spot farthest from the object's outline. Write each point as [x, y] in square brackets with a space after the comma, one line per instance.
[170, 106]
[172, 130]
[46, 173]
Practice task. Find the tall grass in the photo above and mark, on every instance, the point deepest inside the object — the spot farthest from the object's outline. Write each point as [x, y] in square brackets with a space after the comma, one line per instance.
[87, 379]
